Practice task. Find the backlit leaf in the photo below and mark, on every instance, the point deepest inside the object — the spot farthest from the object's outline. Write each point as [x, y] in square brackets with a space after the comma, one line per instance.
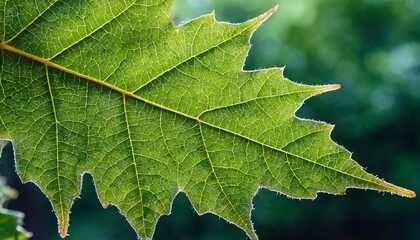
[113, 89]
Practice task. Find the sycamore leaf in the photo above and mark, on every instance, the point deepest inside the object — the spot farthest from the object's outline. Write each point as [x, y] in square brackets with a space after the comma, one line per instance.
[113, 89]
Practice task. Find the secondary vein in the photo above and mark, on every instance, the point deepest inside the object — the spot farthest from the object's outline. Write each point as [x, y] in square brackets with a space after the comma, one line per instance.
[56, 122]
[31, 22]
[48, 63]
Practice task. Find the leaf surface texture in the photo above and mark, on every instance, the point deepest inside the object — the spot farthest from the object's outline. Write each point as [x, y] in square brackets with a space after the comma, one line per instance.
[112, 88]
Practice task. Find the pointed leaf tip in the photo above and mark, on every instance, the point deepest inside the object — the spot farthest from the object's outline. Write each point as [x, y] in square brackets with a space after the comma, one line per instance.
[331, 87]
[273, 9]
[403, 192]
[181, 125]
[63, 231]
[270, 12]
[327, 88]
[411, 194]
[335, 87]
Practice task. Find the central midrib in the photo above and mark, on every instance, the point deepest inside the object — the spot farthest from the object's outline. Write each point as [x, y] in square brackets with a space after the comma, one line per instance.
[48, 63]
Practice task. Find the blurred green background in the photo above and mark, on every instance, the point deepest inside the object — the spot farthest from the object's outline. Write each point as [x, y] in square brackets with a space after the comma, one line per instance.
[371, 48]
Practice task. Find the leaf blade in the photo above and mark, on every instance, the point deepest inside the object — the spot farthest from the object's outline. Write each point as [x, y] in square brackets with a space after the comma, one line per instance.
[129, 127]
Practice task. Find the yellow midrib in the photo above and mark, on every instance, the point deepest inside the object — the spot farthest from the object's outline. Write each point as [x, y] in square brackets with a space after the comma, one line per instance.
[5, 46]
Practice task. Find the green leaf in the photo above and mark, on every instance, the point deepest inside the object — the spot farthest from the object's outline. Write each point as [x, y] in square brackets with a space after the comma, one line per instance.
[113, 89]
[10, 221]
[10, 225]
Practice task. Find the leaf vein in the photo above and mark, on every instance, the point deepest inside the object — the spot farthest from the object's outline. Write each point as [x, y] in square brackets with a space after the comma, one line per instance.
[194, 56]
[93, 31]
[249, 231]
[295, 176]
[35, 148]
[255, 99]
[301, 137]
[56, 122]
[135, 163]
[30, 23]
[131, 94]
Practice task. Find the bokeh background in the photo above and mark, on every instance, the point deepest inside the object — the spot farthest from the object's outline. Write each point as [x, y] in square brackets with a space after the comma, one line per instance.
[371, 48]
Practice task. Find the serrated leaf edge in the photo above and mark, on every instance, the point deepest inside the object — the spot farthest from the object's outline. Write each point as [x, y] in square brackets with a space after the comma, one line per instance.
[262, 18]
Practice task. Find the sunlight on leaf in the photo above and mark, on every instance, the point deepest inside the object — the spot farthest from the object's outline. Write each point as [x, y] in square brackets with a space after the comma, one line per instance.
[113, 89]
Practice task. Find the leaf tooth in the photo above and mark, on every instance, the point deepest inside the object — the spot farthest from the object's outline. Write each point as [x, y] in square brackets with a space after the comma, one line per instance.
[267, 14]
[332, 87]
[63, 230]
[399, 190]
[328, 88]
[323, 88]
[406, 193]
